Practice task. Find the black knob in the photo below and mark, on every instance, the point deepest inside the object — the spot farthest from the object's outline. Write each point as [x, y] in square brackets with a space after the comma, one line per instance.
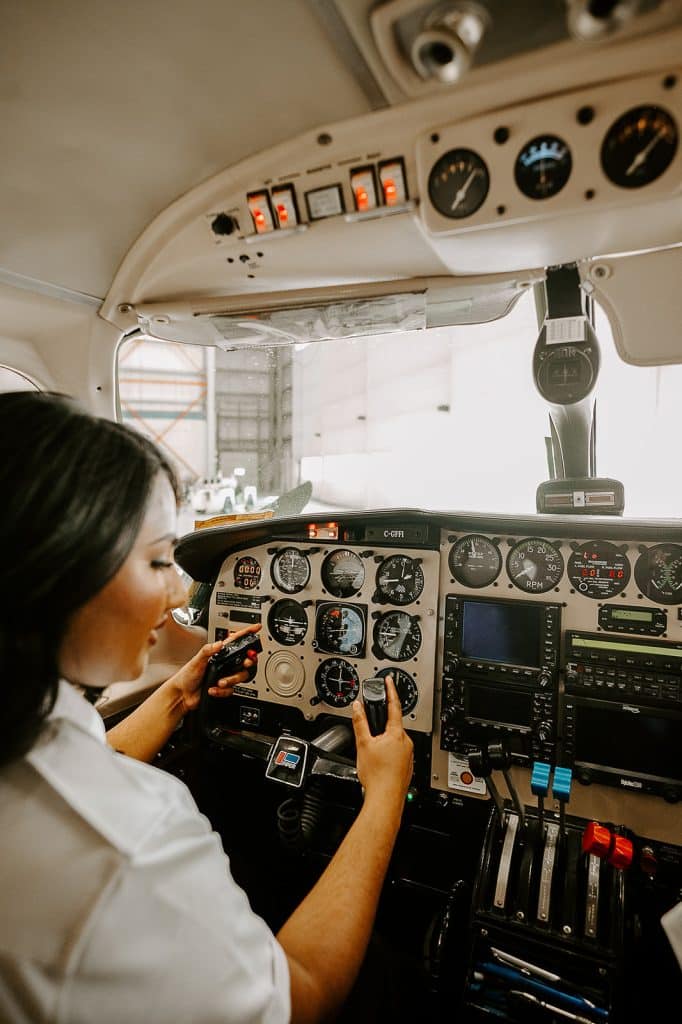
[223, 224]
[543, 731]
[544, 679]
[671, 794]
[584, 777]
[572, 678]
[451, 666]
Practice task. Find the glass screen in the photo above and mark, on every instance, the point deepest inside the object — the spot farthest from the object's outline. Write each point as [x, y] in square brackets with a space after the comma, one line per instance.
[643, 743]
[506, 633]
[494, 704]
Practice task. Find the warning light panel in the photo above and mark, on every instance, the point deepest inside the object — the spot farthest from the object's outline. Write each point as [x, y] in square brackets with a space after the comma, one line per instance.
[323, 531]
[261, 211]
[364, 188]
[393, 182]
[284, 205]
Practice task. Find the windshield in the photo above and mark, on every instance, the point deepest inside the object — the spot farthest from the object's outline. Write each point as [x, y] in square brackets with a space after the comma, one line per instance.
[446, 418]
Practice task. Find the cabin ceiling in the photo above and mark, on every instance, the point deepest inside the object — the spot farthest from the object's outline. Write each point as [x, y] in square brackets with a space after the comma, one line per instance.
[110, 112]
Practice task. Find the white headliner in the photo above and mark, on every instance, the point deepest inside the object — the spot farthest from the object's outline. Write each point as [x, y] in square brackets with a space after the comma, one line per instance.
[109, 112]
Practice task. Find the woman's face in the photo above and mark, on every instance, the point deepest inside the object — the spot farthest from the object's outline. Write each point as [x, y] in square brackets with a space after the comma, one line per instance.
[109, 638]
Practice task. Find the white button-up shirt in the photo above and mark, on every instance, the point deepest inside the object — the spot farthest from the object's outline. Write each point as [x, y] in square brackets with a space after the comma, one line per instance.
[116, 898]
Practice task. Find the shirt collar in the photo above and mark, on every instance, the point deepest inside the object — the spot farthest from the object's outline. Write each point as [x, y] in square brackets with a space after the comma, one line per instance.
[72, 707]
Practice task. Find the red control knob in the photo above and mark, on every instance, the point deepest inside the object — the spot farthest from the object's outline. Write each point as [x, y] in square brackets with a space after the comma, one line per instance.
[252, 654]
[621, 853]
[597, 840]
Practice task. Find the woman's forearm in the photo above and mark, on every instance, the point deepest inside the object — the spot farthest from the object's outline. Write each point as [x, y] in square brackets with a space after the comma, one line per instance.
[146, 729]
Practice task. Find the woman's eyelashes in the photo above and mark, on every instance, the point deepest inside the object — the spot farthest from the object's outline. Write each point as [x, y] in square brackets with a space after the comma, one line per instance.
[159, 563]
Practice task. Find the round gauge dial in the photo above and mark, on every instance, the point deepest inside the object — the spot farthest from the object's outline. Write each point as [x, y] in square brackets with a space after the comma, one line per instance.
[405, 685]
[598, 569]
[658, 573]
[458, 183]
[566, 374]
[543, 167]
[343, 573]
[287, 622]
[639, 147]
[246, 573]
[475, 561]
[337, 682]
[398, 636]
[400, 579]
[535, 565]
[340, 629]
[290, 570]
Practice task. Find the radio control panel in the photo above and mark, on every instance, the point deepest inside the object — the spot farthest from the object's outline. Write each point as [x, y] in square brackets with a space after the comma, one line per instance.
[500, 675]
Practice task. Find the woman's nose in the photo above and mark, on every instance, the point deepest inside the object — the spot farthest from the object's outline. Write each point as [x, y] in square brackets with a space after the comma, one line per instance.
[177, 592]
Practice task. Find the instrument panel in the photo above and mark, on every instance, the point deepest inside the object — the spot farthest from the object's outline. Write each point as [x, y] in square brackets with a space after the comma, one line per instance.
[488, 627]
[332, 615]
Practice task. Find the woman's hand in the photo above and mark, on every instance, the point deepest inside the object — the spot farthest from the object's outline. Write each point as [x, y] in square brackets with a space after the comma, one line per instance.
[384, 761]
[187, 681]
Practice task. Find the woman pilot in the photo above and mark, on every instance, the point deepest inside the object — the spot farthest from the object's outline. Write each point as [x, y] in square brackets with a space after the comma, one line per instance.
[117, 899]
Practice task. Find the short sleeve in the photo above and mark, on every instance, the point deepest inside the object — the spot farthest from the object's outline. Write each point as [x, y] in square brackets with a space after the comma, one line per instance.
[173, 938]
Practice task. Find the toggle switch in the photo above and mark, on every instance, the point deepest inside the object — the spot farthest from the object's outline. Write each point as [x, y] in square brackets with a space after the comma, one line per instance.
[261, 212]
[284, 203]
[393, 182]
[364, 188]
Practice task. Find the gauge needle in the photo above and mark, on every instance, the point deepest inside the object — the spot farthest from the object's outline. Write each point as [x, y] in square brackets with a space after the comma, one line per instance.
[461, 193]
[530, 570]
[643, 153]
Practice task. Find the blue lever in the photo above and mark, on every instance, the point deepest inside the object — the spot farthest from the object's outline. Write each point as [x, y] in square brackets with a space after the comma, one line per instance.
[539, 780]
[561, 785]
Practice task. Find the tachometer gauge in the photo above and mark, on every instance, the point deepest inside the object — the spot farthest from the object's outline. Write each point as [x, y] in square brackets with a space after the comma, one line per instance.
[598, 569]
[342, 573]
[405, 685]
[658, 573]
[458, 183]
[475, 561]
[397, 636]
[535, 565]
[639, 147]
[287, 622]
[340, 628]
[337, 682]
[400, 579]
[290, 570]
[543, 167]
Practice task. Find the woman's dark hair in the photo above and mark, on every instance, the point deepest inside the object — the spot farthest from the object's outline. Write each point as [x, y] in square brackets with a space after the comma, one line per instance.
[73, 493]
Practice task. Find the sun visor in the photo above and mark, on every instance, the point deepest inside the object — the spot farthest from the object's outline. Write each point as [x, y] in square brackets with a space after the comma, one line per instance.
[641, 295]
[350, 318]
[360, 311]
